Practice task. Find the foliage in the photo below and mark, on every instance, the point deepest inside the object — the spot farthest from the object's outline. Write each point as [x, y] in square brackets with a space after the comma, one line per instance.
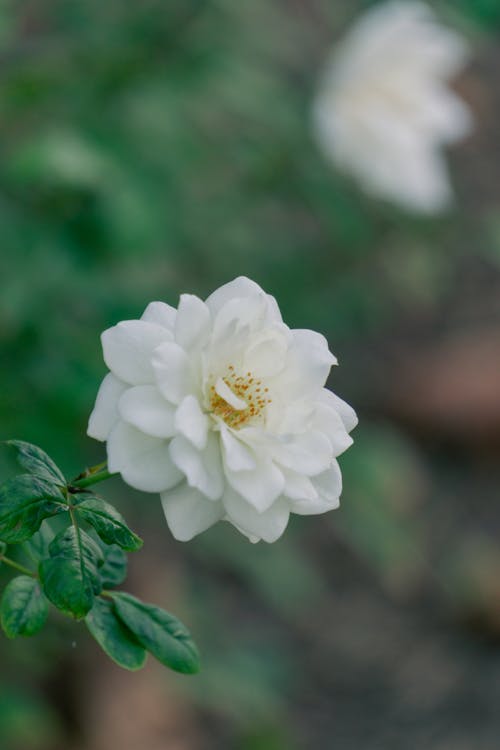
[73, 567]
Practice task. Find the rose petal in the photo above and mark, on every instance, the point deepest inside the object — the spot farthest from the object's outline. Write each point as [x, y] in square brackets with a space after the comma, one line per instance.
[330, 424]
[188, 512]
[298, 487]
[236, 455]
[192, 323]
[260, 486]
[307, 365]
[308, 453]
[266, 352]
[308, 507]
[161, 314]
[240, 288]
[329, 483]
[145, 408]
[128, 348]
[105, 412]
[268, 526]
[237, 321]
[329, 488]
[172, 370]
[346, 412]
[203, 469]
[191, 422]
[143, 461]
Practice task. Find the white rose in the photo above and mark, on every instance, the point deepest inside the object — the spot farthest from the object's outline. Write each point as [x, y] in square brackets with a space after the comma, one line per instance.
[383, 110]
[221, 408]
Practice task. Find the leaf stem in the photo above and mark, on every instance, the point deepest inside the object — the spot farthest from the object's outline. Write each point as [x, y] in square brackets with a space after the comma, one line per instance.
[92, 478]
[17, 566]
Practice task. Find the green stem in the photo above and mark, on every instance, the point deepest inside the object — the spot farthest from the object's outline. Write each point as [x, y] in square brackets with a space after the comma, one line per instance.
[93, 478]
[96, 468]
[17, 566]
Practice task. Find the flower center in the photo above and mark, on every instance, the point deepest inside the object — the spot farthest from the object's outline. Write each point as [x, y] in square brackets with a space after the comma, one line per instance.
[238, 399]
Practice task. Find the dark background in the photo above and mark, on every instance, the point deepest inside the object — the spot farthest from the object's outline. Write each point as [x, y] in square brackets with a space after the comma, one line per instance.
[151, 148]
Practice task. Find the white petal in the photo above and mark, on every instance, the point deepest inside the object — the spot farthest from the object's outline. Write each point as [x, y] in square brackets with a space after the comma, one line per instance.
[160, 313]
[203, 469]
[413, 174]
[395, 157]
[265, 355]
[225, 392]
[191, 422]
[313, 507]
[239, 289]
[406, 32]
[143, 461]
[346, 412]
[128, 348]
[307, 453]
[284, 417]
[329, 422]
[192, 323]
[105, 412]
[172, 372]
[238, 319]
[298, 486]
[260, 486]
[446, 117]
[188, 512]
[268, 526]
[329, 483]
[145, 408]
[307, 365]
[236, 455]
[328, 486]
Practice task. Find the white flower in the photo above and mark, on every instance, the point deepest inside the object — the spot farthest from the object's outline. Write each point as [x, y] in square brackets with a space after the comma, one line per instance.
[221, 408]
[384, 110]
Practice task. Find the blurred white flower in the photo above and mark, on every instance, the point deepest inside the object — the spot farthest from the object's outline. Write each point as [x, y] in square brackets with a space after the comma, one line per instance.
[384, 110]
[221, 408]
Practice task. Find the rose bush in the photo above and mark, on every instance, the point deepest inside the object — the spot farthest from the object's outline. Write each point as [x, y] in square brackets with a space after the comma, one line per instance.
[221, 408]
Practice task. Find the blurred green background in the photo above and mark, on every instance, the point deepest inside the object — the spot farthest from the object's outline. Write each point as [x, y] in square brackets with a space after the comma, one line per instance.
[152, 148]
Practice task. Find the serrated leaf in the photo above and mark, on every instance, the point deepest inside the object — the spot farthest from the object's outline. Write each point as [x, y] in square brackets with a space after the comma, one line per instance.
[36, 461]
[159, 632]
[70, 576]
[24, 608]
[108, 523]
[115, 639]
[114, 569]
[24, 502]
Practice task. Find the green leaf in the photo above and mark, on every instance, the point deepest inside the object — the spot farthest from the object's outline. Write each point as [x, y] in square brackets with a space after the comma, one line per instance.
[114, 569]
[108, 523]
[70, 577]
[114, 637]
[24, 608]
[24, 502]
[159, 632]
[38, 546]
[36, 461]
